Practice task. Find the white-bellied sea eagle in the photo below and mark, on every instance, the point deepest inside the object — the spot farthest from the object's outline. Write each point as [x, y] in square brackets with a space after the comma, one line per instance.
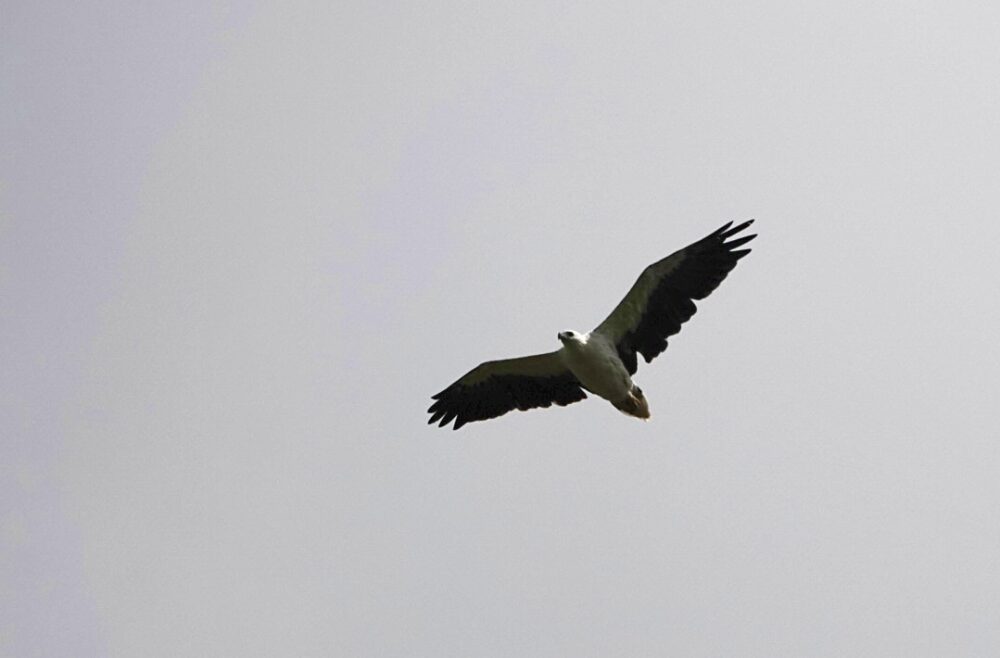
[603, 361]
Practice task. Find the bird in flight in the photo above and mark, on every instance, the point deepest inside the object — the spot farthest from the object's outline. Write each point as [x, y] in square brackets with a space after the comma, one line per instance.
[603, 361]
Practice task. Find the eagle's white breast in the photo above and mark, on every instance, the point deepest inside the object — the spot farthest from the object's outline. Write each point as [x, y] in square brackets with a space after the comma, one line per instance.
[594, 360]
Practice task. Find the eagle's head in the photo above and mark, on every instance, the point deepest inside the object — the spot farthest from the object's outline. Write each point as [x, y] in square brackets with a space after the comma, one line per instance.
[569, 337]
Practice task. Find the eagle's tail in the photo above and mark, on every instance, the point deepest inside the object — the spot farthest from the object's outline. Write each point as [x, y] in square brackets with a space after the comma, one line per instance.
[634, 405]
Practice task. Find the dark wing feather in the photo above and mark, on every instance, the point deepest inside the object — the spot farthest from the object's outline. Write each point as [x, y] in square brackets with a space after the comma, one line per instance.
[662, 298]
[496, 387]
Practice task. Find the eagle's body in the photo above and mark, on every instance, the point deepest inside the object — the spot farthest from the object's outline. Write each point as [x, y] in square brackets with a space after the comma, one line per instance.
[594, 361]
[603, 361]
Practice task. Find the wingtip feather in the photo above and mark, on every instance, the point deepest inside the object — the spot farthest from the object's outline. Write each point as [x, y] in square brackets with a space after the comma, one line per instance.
[732, 244]
[722, 229]
[737, 229]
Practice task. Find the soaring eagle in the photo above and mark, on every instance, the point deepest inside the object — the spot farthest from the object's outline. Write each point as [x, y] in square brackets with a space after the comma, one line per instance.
[603, 361]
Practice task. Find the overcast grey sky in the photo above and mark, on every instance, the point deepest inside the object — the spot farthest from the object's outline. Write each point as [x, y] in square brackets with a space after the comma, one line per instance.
[241, 246]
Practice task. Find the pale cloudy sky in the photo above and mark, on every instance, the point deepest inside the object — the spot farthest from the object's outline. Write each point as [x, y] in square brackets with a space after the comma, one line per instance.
[241, 245]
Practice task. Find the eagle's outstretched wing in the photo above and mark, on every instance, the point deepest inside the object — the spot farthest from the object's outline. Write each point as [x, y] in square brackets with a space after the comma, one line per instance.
[661, 299]
[493, 388]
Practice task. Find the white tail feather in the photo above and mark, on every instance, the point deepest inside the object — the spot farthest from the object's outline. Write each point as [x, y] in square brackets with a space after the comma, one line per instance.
[634, 405]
